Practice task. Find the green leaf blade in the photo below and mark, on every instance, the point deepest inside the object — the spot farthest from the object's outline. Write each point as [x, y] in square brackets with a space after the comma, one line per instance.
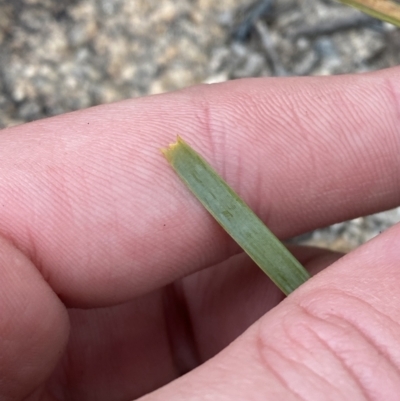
[385, 10]
[236, 217]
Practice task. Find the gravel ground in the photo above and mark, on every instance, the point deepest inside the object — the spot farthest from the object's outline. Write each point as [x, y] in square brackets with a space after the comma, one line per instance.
[58, 56]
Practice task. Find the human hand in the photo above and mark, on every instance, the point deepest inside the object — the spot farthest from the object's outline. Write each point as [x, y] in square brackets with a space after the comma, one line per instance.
[115, 281]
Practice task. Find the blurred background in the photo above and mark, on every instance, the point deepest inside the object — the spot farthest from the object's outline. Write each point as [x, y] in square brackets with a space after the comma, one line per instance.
[58, 56]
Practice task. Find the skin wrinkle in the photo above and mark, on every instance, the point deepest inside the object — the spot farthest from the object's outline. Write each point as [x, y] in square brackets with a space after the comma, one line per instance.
[202, 116]
[298, 344]
[374, 345]
[60, 188]
[294, 362]
[264, 208]
[361, 158]
[306, 145]
[302, 131]
[354, 323]
[345, 366]
[386, 94]
[252, 181]
[246, 185]
[345, 126]
[260, 345]
[56, 184]
[370, 340]
[219, 138]
[348, 125]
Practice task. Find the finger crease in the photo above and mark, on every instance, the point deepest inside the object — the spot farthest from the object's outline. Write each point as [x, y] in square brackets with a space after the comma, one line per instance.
[179, 329]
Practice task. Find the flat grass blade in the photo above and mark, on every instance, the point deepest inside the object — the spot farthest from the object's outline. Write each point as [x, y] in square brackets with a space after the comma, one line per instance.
[236, 217]
[386, 10]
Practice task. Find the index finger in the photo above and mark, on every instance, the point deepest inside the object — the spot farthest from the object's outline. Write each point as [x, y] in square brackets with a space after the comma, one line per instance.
[88, 197]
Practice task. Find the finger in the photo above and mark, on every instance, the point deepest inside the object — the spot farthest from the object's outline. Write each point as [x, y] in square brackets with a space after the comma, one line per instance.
[336, 338]
[128, 350]
[33, 326]
[92, 202]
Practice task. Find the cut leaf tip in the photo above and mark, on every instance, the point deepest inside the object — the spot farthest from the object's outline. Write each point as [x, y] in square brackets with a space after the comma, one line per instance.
[171, 147]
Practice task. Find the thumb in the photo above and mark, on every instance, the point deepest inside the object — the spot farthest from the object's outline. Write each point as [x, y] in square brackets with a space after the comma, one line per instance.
[336, 338]
[33, 326]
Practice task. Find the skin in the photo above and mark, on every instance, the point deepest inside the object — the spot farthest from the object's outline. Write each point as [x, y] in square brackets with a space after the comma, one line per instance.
[115, 281]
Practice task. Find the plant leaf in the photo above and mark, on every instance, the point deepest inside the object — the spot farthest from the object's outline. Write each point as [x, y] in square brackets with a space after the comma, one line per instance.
[386, 10]
[236, 217]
